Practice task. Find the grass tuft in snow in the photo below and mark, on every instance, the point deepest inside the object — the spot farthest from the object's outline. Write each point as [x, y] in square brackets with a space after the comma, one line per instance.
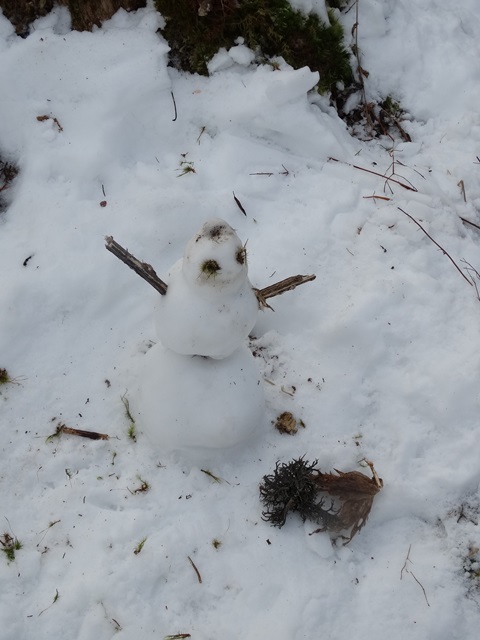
[139, 546]
[10, 544]
[132, 430]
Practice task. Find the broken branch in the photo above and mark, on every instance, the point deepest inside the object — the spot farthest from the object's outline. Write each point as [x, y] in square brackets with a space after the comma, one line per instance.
[281, 287]
[143, 269]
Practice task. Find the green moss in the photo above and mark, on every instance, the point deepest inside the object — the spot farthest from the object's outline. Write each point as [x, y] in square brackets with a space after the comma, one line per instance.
[269, 27]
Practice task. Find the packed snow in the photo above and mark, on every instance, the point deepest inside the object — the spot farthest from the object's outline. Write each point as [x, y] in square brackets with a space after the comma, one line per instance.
[378, 357]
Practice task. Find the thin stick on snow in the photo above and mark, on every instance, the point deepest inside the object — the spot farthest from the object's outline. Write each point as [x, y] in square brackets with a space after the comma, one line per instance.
[405, 568]
[437, 245]
[469, 222]
[146, 271]
[376, 173]
[199, 577]
[174, 106]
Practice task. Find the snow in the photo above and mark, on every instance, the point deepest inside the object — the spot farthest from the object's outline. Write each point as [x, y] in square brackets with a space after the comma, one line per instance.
[215, 415]
[378, 356]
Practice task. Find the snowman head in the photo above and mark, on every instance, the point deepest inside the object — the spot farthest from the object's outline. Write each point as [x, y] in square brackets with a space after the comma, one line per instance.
[215, 259]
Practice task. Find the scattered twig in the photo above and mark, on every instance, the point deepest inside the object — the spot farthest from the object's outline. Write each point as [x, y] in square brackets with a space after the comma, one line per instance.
[471, 272]
[92, 435]
[437, 245]
[178, 636]
[174, 106]
[239, 204]
[210, 475]
[202, 131]
[199, 577]
[406, 569]
[376, 173]
[469, 222]
[375, 197]
[143, 269]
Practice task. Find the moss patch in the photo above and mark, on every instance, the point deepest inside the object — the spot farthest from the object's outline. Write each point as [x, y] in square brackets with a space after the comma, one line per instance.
[268, 27]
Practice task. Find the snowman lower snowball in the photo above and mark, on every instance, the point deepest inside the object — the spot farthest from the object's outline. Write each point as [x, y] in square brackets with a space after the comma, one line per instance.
[199, 387]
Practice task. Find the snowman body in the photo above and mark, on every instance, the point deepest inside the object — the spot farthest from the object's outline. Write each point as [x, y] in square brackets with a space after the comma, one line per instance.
[199, 388]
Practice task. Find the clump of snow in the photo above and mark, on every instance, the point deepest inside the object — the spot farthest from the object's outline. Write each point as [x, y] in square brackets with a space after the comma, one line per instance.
[210, 306]
[196, 404]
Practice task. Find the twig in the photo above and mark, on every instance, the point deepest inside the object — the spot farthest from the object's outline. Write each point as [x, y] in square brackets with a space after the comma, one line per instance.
[436, 244]
[461, 184]
[92, 435]
[239, 204]
[146, 271]
[469, 222]
[376, 173]
[375, 197]
[195, 569]
[174, 106]
[471, 269]
[405, 568]
[281, 287]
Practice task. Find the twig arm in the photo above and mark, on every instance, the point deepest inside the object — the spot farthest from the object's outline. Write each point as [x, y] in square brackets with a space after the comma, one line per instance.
[281, 287]
[145, 270]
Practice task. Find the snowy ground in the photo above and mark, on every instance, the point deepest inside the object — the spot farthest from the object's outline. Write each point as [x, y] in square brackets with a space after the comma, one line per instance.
[382, 348]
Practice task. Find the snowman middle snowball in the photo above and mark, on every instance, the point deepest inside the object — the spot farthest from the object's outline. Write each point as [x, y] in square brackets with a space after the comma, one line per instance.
[210, 306]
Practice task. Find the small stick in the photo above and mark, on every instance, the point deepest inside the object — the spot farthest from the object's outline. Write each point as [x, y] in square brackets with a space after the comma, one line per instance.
[405, 568]
[239, 204]
[174, 106]
[376, 173]
[146, 271]
[281, 287]
[461, 184]
[437, 245]
[195, 569]
[93, 435]
[469, 222]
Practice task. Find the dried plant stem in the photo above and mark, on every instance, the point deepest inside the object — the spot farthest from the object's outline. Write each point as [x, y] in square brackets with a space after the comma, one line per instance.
[376, 173]
[406, 569]
[437, 245]
[199, 577]
[469, 222]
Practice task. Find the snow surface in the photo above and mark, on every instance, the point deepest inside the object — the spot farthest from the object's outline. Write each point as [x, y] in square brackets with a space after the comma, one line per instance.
[379, 356]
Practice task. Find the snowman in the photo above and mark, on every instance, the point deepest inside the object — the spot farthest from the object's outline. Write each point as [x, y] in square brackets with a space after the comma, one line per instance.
[199, 388]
